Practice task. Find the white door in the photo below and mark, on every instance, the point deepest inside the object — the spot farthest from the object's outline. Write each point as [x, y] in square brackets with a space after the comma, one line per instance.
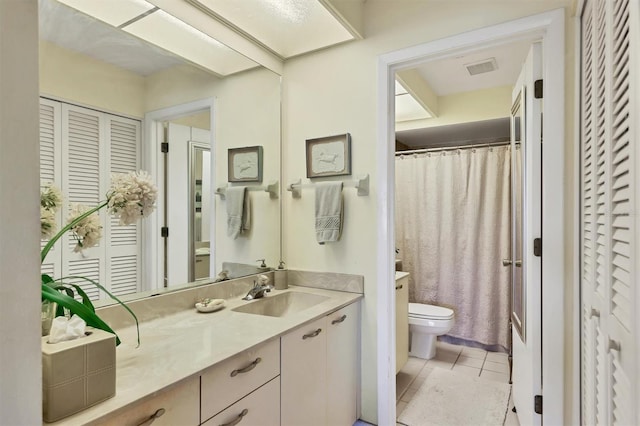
[177, 200]
[525, 260]
[609, 212]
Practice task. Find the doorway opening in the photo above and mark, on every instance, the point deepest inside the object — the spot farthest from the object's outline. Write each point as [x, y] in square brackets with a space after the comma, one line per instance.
[180, 193]
[549, 28]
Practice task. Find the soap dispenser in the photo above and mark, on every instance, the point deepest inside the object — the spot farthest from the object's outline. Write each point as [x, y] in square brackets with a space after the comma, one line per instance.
[280, 277]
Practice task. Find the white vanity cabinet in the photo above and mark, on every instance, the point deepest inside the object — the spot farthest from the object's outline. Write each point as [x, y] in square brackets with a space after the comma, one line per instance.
[231, 380]
[402, 319]
[177, 405]
[320, 371]
[260, 408]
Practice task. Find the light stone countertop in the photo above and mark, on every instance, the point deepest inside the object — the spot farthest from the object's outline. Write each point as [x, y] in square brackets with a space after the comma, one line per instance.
[401, 274]
[183, 344]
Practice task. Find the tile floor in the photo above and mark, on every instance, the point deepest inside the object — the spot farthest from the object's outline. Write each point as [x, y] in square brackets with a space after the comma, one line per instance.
[471, 361]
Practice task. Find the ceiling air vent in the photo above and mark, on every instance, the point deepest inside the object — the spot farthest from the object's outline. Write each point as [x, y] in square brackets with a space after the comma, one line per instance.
[486, 65]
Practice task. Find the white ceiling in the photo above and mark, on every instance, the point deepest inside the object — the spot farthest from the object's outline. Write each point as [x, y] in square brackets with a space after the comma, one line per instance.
[68, 28]
[187, 31]
[286, 27]
[448, 76]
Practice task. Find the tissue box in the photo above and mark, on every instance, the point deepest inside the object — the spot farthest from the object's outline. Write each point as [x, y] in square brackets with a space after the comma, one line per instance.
[77, 374]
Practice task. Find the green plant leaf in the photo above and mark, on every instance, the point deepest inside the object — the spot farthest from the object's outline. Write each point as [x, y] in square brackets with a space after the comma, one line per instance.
[85, 299]
[77, 308]
[73, 277]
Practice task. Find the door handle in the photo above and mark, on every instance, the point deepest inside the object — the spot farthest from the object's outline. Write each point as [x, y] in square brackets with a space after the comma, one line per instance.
[518, 263]
[507, 262]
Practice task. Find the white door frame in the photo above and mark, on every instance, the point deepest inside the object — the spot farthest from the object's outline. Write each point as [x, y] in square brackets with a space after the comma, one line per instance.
[153, 252]
[548, 27]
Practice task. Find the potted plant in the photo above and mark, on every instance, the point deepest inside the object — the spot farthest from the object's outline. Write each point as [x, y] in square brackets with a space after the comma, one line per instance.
[130, 197]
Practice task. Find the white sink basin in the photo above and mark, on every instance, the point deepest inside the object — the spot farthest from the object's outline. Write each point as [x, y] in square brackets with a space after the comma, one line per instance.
[281, 305]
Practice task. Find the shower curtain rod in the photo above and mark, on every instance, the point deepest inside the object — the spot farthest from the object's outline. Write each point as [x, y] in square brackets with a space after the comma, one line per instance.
[447, 148]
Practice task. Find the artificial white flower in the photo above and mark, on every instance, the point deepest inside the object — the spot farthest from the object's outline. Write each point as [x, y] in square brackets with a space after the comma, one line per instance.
[50, 197]
[131, 196]
[88, 231]
[47, 223]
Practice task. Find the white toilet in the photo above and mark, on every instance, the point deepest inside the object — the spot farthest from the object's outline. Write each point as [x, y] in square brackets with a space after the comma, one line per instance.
[426, 322]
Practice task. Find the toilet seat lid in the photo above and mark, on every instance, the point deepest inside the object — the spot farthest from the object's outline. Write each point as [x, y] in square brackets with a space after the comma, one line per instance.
[420, 310]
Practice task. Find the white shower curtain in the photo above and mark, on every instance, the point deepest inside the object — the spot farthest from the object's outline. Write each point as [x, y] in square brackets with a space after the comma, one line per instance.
[453, 230]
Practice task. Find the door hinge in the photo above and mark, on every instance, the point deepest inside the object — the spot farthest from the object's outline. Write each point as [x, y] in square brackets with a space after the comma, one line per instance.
[164, 231]
[537, 89]
[537, 404]
[164, 147]
[537, 247]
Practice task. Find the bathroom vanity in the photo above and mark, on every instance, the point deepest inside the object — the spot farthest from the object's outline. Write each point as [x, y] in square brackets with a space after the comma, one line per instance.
[402, 319]
[289, 358]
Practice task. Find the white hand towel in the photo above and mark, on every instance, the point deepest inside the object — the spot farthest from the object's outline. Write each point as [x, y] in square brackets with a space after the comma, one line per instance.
[328, 211]
[238, 211]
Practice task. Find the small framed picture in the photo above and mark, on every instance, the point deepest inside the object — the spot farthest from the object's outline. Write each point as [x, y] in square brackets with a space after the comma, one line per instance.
[245, 164]
[329, 156]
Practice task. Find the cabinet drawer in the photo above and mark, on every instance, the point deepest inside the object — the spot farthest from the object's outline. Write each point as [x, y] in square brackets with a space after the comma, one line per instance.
[260, 408]
[178, 405]
[227, 382]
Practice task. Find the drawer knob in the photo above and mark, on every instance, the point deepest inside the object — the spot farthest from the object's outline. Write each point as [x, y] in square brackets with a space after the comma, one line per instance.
[312, 334]
[237, 419]
[159, 412]
[246, 369]
[339, 320]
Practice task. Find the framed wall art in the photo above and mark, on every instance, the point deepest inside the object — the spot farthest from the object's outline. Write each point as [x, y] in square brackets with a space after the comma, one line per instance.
[245, 164]
[329, 156]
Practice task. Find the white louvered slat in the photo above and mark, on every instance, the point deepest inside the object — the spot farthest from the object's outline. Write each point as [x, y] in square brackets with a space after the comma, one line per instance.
[124, 146]
[87, 268]
[601, 382]
[124, 249]
[621, 182]
[47, 143]
[123, 235]
[124, 275]
[609, 208]
[620, 392]
[588, 368]
[83, 158]
[87, 145]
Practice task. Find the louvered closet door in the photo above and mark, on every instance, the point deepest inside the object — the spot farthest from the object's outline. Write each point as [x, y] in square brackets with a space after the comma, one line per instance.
[84, 165]
[123, 252]
[51, 171]
[608, 201]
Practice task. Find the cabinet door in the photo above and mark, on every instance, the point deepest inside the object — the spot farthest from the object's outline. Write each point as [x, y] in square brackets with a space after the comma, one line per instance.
[259, 408]
[343, 368]
[230, 380]
[402, 322]
[178, 405]
[303, 375]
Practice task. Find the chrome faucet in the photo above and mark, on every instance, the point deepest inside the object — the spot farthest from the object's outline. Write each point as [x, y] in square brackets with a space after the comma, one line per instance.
[258, 290]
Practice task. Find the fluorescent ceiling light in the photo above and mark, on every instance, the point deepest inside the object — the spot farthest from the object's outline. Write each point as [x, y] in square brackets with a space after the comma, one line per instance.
[407, 108]
[172, 34]
[287, 27]
[113, 12]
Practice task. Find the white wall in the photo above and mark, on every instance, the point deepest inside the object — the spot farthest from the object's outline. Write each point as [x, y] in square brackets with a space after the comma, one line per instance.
[334, 91]
[20, 356]
[71, 76]
[247, 113]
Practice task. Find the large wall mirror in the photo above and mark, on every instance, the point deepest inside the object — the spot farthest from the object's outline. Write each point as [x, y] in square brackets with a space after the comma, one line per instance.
[90, 67]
